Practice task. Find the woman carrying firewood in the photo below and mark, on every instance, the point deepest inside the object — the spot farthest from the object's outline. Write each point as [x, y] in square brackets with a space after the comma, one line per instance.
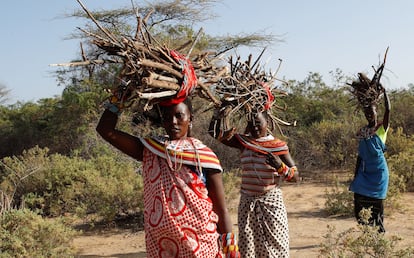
[370, 184]
[265, 161]
[184, 206]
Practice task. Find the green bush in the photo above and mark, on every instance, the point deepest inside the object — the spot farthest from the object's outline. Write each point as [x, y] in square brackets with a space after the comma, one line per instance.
[362, 241]
[107, 185]
[339, 200]
[26, 234]
[326, 144]
[115, 188]
[398, 142]
[401, 160]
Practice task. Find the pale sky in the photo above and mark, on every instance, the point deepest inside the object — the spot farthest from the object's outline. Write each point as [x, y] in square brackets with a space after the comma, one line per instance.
[319, 36]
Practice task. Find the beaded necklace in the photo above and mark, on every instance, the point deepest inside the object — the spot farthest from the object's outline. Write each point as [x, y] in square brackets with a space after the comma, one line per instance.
[178, 155]
[177, 162]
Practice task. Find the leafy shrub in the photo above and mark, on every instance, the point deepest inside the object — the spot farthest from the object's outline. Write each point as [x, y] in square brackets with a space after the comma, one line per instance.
[326, 144]
[115, 188]
[402, 104]
[401, 162]
[26, 234]
[339, 200]
[362, 241]
[396, 186]
[107, 185]
[398, 142]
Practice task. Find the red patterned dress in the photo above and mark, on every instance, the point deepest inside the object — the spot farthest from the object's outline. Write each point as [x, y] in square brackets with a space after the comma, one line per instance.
[179, 217]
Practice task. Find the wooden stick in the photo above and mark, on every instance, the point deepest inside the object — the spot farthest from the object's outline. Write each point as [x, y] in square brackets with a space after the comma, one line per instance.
[219, 75]
[160, 77]
[258, 58]
[209, 94]
[186, 44]
[160, 84]
[195, 41]
[90, 34]
[87, 62]
[165, 53]
[168, 69]
[154, 95]
[109, 35]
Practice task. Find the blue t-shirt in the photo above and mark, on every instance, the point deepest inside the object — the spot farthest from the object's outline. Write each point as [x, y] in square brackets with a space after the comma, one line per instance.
[372, 175]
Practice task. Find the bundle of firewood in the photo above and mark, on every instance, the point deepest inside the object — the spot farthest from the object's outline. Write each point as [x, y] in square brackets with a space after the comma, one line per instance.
[152, 72]
[367, 92]
[248, 90]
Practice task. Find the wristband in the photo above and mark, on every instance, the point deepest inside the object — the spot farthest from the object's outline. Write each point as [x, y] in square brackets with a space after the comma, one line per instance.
[283, 169]
[119, 99]
[290, 173]
[112, 107]
[229, 245]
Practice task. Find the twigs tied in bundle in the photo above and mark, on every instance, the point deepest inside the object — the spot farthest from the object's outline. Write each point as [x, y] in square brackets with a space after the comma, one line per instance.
[248, 90]
[367, 92]
[151, 72]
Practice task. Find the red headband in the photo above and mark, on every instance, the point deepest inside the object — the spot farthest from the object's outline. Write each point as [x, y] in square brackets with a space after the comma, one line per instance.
[270, 97]
[189, 80]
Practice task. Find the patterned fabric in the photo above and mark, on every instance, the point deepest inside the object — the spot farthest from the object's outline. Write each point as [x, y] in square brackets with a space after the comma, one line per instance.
[258, 176]
[179, 217]
[189, 151]
[372, 176]
[262, 217]
[263, 225]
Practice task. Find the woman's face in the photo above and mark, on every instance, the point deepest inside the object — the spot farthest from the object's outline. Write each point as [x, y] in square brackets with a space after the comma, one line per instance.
[370, 113]
[257, 127]
[176, 120]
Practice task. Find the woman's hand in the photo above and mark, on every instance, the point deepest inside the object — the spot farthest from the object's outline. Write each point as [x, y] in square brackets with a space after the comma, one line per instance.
[295, 178]
[227, 135]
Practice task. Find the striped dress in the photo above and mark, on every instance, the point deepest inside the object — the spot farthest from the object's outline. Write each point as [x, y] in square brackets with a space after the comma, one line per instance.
[262, 217]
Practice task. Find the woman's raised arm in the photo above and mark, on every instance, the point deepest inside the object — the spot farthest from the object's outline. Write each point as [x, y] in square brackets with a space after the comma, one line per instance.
[126, 143]
[387, 105]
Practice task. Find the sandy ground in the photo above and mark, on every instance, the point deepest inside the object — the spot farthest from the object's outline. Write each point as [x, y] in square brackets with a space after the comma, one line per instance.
[307, 225]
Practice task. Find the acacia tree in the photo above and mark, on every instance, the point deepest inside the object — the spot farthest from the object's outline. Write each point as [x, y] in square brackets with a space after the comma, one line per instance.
[4, 92]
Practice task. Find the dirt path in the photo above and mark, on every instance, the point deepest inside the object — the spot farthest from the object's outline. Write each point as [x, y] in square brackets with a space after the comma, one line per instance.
[307, 225]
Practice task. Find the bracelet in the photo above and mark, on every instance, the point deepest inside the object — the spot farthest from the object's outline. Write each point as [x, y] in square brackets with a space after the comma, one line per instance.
[283, 169]
[290, 173]
[112, 107]
[229, 244]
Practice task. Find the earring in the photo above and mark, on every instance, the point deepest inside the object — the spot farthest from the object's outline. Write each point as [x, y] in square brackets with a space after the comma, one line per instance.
[190, 126]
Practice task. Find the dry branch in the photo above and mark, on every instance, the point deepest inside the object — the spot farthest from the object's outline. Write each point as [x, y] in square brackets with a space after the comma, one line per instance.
[152, 70]
[367, 92]
[248, 90]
